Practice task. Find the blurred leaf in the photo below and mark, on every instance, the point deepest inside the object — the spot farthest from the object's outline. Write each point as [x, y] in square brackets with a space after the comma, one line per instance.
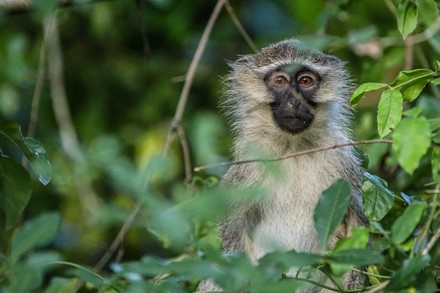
[377, 198]
[404, 226]
[411, 83]
[413, 112]
[408, 149]
[389, 112]
[362, 35]
[428, 11]
[435, 163]
[406, 17]
[331, 209]
[436, 81]
[15, 190]
[25, 279]
[292, 258]
[363, 88]
[61, 285]
[35, 232]
[407, 273]
[43, 261]
[32, 149]
[356, 256]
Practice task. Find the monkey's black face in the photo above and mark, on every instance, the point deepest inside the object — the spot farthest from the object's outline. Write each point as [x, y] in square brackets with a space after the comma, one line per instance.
[293, 91]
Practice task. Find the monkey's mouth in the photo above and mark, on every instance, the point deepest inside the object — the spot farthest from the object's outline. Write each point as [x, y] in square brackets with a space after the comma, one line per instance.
[294, 124]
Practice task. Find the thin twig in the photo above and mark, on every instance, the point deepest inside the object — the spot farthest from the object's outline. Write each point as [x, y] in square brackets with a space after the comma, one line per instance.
[379, 287]
[36, 97]
[302, 153]
[240, 27]
[174, 129]
[69, 138]
[186, 154]
[119, 238]
[409, 53]
[190, 75]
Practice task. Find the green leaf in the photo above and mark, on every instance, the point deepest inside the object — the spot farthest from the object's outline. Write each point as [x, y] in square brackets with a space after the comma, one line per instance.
[359, 257]
[428, 11]
[331, 209]
[404, 226]
[411, 83]
[407, 273]
[32, 149]
[358, 239]
[25, 279]
[363, 88]
[436, 81]
[435, 163]
[389, 112]
[377, 198]
[412, 139]
[413, 112]
[406, 17]
[291, 258]
[36, 232]
[15, 190]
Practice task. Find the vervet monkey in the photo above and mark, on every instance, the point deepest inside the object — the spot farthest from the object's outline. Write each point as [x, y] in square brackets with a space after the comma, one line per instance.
[282, 100]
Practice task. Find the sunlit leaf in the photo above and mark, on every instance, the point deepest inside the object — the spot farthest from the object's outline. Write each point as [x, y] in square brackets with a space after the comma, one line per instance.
[406, 17]
[363, 88]
[412, 139]
[15, 190]
[34, 233]
[377, 198]
[357, 240]
[408, 272]
[411, 83]
[331, 209]
[436, 81]
[404, 226]
[389, 111]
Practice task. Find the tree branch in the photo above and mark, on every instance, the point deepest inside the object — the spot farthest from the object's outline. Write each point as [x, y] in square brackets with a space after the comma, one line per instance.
[190, 75]
[302, 153]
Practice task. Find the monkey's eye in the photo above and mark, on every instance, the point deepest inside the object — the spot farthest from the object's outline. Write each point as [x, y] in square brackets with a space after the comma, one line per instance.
[306, 80]
[280, 80]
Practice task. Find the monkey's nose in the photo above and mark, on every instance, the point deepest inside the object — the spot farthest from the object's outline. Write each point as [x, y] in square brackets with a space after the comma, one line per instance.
[293, 103]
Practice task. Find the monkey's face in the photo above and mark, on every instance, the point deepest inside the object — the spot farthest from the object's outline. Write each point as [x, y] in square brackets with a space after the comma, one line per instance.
[293, 89]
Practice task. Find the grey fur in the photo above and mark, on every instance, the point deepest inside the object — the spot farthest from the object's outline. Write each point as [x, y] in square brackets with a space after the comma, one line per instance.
[283, 220]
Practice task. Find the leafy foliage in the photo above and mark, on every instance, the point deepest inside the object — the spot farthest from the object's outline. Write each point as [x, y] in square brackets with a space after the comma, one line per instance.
[100, 208]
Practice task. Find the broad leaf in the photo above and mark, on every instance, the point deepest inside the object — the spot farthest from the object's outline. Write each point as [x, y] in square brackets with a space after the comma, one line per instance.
[389, 112]
[406, 17]
[408, 272]
[377, 198]
[291, 258]
[331, 209]
[34, 233]
[404, 226]
[411, 83]
[25, 279]
[32, 149]
[363, 88]
[436, 81]
[15, 190]
[412, 139]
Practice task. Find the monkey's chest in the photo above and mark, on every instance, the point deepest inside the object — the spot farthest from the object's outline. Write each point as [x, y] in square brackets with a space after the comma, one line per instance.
[287, 221]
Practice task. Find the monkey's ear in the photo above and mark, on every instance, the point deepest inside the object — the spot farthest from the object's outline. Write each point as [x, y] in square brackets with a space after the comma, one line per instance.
[245, 59]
